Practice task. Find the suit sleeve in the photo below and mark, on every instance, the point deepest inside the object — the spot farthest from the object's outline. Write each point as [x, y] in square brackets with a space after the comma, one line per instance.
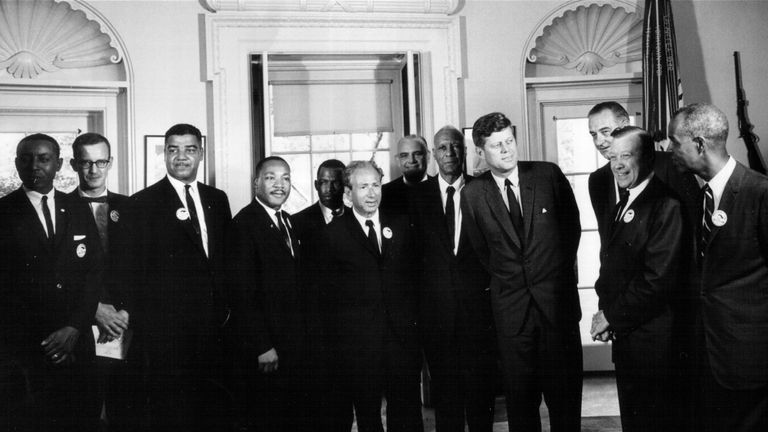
[570, 223]
[246, 289]
[647, 292]
[476, 236]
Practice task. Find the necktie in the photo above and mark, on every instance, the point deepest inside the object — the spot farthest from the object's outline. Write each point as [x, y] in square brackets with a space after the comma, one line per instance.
[373, 239]
[193, 213]
[450, 214]
[101, 199]
[708, 207]
[283, 230]
[100, 215]
[48, 219]
[623, 198]
[514, 209]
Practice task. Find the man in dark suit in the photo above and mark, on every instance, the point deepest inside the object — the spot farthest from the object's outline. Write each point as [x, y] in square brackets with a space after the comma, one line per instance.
[330, 204]
[523, 222]
[269, 307]
[176, 256]
[731, 280]
[640, 262]
[413, 158]
[369, 295]
[455, 318]
[92, 161]
[48, 278]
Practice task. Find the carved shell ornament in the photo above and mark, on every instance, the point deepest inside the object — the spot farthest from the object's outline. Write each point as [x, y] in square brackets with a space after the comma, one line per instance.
[46, 35]
[590, 38]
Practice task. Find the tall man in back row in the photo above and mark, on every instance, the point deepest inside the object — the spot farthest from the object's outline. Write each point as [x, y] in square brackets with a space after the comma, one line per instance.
[413, 159]
[523, 222]
[454, 301]
[731, 277]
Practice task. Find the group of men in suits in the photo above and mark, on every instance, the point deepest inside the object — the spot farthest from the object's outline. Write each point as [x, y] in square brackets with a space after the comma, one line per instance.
[278, 322]
[682, 277]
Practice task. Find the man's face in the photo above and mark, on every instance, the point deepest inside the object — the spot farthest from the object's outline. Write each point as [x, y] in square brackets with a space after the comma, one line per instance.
[500, 151]
[685, 150]
[449, 155]
[412, 158]
[329, 188]
[629, 166]
[600, 127]
[273, 185]
[365, 191]
[92, 178]
[37, 165]
[183, 154]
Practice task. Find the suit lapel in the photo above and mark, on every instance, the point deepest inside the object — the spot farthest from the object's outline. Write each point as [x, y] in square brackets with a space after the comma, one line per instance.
[499, 210]
[62, 219]
[357, 233]
[435, 203]
[527, 195]
[727, 200]
[32, 225]
[206, 202]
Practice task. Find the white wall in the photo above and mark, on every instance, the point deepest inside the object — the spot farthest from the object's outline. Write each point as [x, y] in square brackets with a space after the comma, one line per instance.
[163, 39]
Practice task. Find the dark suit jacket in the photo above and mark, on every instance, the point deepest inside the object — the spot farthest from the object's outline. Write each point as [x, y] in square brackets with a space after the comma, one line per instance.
[602, 191]
[368, 296]
[179, 292]
[395, 196]
[308, 221]
[450, 285]
[640, 265]
[544, 271]
[269, 305]
[45, 288]
[733, 284]
[118, 238]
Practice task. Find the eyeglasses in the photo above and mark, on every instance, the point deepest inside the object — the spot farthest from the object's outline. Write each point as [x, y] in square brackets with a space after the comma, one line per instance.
[86, 164]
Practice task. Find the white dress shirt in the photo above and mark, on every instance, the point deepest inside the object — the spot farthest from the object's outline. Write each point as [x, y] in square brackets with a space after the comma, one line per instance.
[513, 177]
[376, 224]
[718, 182]
[633, 192]
[36, 198]
[178, 186]
[273, 215]
[457, 185]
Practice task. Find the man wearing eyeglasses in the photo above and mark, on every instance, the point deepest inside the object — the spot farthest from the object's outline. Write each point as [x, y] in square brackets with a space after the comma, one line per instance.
[92, 160]
[523, 222]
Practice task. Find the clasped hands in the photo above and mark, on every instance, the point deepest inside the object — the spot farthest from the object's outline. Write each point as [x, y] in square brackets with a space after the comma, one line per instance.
[112, 323]
[600, 328]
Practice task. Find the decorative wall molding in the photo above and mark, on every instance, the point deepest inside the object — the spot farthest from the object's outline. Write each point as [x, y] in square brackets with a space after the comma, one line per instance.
[588, 36]
[444, 7]
[39, 36]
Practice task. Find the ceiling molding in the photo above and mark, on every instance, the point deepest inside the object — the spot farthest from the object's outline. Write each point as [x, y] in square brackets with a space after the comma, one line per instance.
[444, 7]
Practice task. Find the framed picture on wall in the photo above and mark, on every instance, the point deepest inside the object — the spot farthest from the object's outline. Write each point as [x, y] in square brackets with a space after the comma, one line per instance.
[475, 164]
[154, 160]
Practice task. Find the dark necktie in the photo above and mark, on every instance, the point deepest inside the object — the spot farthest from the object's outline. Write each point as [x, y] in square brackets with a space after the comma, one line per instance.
[450, 214]
[193, 214]
[100, 212]
[708, 207]
[101, 199]
[623, 198]
[48, 219]
[283, 230]
[373, 239]
[514, 209]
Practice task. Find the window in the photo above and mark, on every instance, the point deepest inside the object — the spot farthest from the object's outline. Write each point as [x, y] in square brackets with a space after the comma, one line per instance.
[346, 107]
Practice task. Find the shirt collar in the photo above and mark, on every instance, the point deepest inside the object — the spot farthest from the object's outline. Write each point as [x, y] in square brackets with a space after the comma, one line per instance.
[513, 177]
[637, 190]
[84, 195]
[717, 183]
[457, 185]
[35, 197]
[178, 185]
[270, 211]
[422, 179]
[361, 220]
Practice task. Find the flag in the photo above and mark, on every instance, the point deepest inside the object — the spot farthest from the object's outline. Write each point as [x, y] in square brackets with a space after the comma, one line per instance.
[662, 88]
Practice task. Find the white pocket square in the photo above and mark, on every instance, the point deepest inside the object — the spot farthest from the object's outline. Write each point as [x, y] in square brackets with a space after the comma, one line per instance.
[78, 237]
[543, 210]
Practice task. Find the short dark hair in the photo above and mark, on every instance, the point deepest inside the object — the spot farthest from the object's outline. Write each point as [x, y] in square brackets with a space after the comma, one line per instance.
[618, 111]
[487, 125]
[260, 165]
[333, 164]
[89, 138]
[184, 129]
[647, 145]
[360, 164]
[40, 137]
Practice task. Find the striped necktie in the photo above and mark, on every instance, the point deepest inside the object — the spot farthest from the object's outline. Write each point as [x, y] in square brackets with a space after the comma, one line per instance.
[708, 207]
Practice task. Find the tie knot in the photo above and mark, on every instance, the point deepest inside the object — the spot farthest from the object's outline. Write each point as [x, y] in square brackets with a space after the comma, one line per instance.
[369, 223]
[623, 195]
[508, 183]
[706, 189]
[44, 199]
[101, 199]
[450, 191]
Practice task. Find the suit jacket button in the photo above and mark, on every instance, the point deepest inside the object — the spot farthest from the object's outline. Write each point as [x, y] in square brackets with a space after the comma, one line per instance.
[58, 285]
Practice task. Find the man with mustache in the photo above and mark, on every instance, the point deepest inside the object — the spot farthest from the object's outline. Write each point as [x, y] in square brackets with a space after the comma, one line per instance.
[175, 265]
[413, 158]
[49, 274]
[269, 306]
[92, 160]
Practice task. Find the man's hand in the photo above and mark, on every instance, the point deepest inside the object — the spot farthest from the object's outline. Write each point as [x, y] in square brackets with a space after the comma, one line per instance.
[268, 361]
[58, 345]
[111, 322]
[600, 327]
